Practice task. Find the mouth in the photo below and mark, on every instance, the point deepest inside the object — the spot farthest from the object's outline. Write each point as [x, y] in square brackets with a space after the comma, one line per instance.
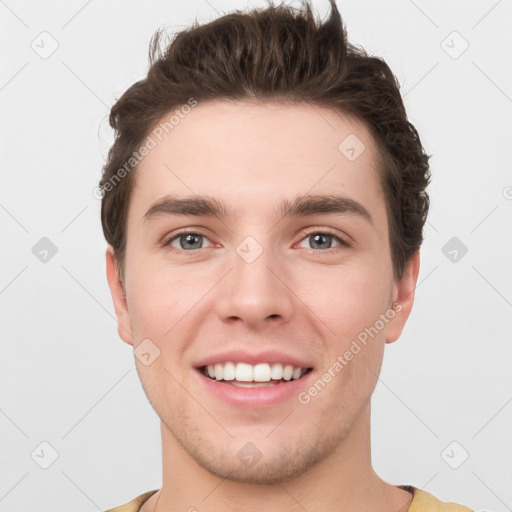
[245, 375]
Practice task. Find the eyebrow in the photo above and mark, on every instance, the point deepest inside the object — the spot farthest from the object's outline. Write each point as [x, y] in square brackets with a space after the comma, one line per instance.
[302, 206]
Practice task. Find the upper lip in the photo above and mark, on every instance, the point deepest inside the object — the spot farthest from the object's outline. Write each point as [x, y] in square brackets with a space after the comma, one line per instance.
[242, 356]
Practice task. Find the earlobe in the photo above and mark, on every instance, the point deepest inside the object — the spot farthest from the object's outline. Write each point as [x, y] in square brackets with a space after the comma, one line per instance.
[118, 297]
[405, 289]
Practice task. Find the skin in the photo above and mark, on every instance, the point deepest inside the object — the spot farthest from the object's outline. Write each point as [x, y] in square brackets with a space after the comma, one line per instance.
[295, 297]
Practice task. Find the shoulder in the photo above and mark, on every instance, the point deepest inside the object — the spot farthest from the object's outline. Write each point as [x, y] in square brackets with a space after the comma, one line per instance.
[425, 502]
[133, 505]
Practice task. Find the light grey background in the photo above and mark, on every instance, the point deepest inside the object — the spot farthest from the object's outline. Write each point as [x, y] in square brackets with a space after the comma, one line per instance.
[66, 377]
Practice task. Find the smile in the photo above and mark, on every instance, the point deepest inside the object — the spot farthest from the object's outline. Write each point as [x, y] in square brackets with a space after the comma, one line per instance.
[243, 379]
[258, 375]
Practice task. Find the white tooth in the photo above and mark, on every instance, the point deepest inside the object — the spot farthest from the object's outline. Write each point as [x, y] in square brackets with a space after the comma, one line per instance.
[211, 371]
[277, 371]
[288, 372]
[243, 372]
[297, 372]
[229, 371]
[218, 371]
[261, 372]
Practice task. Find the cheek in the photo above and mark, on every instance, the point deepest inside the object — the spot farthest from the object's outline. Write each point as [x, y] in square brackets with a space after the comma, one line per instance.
[157, 301]
[348, 300]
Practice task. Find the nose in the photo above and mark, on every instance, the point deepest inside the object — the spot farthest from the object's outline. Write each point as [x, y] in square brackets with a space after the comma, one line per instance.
[257, 291]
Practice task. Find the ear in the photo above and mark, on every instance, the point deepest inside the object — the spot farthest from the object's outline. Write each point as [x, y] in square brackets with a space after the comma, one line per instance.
[118, 297]
[404, 298]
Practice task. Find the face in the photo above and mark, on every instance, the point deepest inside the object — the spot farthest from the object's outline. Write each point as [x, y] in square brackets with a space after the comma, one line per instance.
[235, 255]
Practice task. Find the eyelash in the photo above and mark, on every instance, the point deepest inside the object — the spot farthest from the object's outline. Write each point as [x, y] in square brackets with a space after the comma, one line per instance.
[314, 231]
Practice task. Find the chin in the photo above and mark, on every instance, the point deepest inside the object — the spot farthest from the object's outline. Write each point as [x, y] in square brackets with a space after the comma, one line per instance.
[263, 461]
[269, 472]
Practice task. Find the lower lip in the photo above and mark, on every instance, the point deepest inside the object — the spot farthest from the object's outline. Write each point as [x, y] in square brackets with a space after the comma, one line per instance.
[254, 397]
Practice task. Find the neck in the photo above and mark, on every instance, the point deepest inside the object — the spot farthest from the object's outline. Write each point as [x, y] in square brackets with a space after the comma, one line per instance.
[345, 480]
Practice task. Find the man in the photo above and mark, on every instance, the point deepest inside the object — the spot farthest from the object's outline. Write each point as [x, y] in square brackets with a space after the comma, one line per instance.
[264, 202]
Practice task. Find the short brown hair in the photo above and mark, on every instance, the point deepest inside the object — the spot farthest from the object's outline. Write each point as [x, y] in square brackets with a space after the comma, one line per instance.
[277, 53]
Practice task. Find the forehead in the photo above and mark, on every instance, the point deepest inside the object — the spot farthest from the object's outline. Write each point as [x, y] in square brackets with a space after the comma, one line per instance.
[248, 151]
